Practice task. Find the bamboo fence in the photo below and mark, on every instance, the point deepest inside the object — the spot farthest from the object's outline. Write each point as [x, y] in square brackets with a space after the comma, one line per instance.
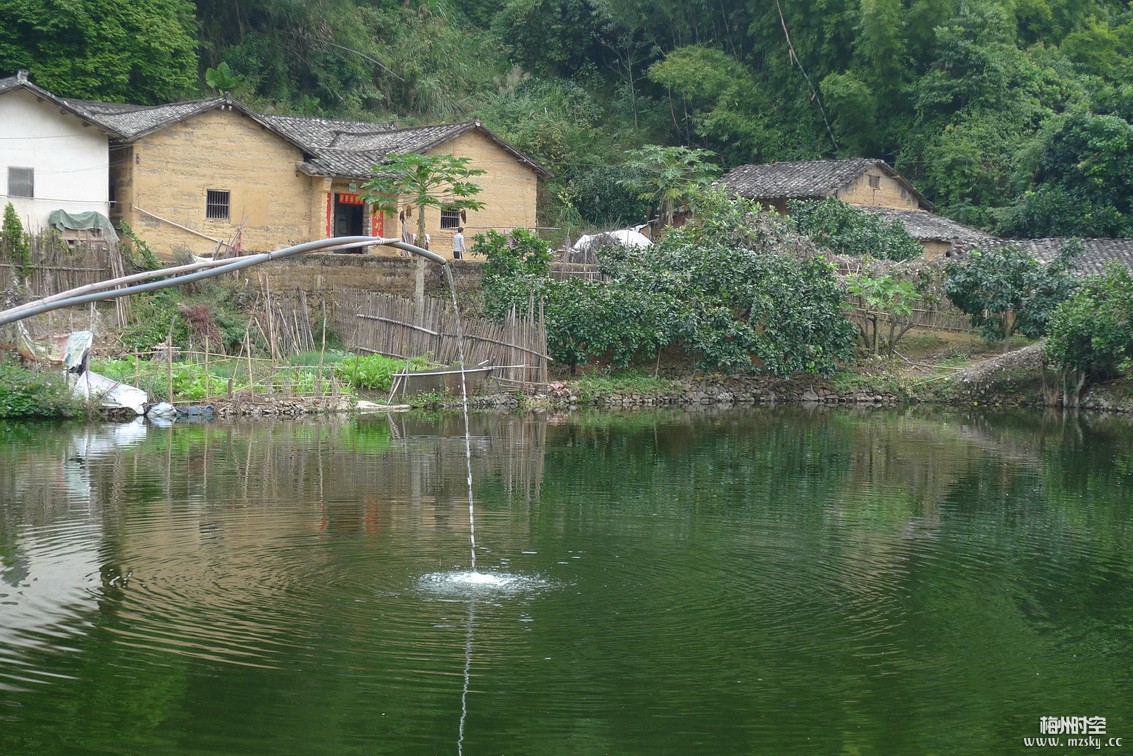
[387, 325]
[56, 265]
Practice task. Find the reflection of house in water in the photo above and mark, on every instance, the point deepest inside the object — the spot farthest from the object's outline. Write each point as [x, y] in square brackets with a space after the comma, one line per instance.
[51, 568]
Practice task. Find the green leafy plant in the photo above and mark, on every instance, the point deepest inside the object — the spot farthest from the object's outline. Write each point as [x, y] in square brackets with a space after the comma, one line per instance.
[14, 241]
[440, 181]
[1091, 333]
[373, 371]
[668, 176]
[883, 298]
[139, 255]
[846, 230]
[1004, 290]
[34, 393]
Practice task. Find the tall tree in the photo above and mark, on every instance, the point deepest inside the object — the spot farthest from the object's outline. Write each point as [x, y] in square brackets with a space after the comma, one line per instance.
[140, 51]
[437, 181]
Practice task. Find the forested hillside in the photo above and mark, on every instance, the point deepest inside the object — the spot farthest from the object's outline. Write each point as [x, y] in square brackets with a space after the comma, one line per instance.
[1013, 115]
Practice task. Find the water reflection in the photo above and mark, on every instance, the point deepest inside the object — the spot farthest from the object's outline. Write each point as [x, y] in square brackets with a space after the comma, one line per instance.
[818, 579]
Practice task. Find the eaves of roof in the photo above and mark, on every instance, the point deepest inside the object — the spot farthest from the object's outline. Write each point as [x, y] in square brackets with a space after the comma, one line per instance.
[20, 82]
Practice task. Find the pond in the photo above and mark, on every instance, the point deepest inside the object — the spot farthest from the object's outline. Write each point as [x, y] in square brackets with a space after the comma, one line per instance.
[764, 580]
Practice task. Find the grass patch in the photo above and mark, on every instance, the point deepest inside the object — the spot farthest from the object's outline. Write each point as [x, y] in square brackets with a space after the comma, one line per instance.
[36, 392]
[630, 382]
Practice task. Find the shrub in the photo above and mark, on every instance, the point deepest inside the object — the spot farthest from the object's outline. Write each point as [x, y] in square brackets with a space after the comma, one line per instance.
[1004, 290]
[373, 371]
[846, 230]
[1092, 331]
[34, 392]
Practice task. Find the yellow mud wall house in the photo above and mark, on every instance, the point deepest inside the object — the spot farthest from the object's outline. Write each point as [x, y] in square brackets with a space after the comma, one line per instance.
[189, 176]
[868, 184]
[344, 152]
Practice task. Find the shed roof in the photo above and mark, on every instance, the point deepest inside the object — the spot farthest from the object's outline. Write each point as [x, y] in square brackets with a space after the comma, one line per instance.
[20, 81]
[806, 179]
[1096, 253]
[925, 226]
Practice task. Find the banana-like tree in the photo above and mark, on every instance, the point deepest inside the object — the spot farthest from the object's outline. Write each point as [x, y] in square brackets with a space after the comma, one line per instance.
[439, 181]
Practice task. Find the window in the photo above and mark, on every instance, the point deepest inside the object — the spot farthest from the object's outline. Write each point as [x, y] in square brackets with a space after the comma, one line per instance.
[21, 182]
[450, 218]
[875, 182]
[216, 205]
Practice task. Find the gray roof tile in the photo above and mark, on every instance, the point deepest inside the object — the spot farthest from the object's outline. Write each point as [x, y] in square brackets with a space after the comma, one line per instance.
[134, 121]
[926, 226]
[804, 179]
[1096, 253]
[20, 81]
[346, 149]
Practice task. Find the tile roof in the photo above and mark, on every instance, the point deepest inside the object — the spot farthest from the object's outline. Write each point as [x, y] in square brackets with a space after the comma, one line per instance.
[352, 154]
[805, 179]
[320, 132]
[20, 81]
[346, 149]
[134, 121]
[1096, 253]
[926, 226]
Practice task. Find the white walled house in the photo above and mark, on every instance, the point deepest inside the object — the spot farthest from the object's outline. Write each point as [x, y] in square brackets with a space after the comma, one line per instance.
[52, 157]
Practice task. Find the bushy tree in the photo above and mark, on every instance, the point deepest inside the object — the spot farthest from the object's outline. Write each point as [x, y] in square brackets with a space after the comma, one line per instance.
[1007, 290]
[846, 230]
[721, 288]
[1091, 333]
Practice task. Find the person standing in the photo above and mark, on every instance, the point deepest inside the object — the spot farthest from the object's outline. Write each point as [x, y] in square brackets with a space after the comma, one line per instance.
[458, 244]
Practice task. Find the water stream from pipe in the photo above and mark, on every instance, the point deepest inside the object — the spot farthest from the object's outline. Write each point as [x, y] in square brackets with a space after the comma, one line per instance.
[464, 406]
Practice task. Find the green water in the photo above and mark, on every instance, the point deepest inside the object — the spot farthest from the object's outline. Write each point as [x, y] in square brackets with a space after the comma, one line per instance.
[761, 581]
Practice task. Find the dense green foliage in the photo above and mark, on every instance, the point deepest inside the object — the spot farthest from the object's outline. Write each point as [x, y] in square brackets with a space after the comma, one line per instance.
[141, 51]
[719, 288]
[28, 392]
[1014, 115]
[373, 371]
[846, 230]
[14, 242]
[1006, 290]
[1092, 331]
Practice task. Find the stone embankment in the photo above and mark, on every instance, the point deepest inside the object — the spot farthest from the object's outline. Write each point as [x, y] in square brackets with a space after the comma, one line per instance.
[720, 391]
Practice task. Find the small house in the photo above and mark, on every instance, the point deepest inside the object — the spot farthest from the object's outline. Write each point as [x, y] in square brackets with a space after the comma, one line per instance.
[212, 175]
[866, 183]
[53, 156]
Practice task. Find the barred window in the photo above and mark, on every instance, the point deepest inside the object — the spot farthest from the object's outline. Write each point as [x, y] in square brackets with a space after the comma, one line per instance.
[216, 205]
[21, 182]
[450, 218]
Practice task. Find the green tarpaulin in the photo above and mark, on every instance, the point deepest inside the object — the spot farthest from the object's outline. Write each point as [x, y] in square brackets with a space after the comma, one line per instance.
[83, 222]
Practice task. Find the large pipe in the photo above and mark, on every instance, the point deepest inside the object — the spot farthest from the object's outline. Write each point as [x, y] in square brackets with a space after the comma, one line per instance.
[342, 242]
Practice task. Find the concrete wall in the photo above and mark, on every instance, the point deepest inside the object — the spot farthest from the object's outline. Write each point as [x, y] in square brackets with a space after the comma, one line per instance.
[888, 193]
[169, 173]
[70, 159]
